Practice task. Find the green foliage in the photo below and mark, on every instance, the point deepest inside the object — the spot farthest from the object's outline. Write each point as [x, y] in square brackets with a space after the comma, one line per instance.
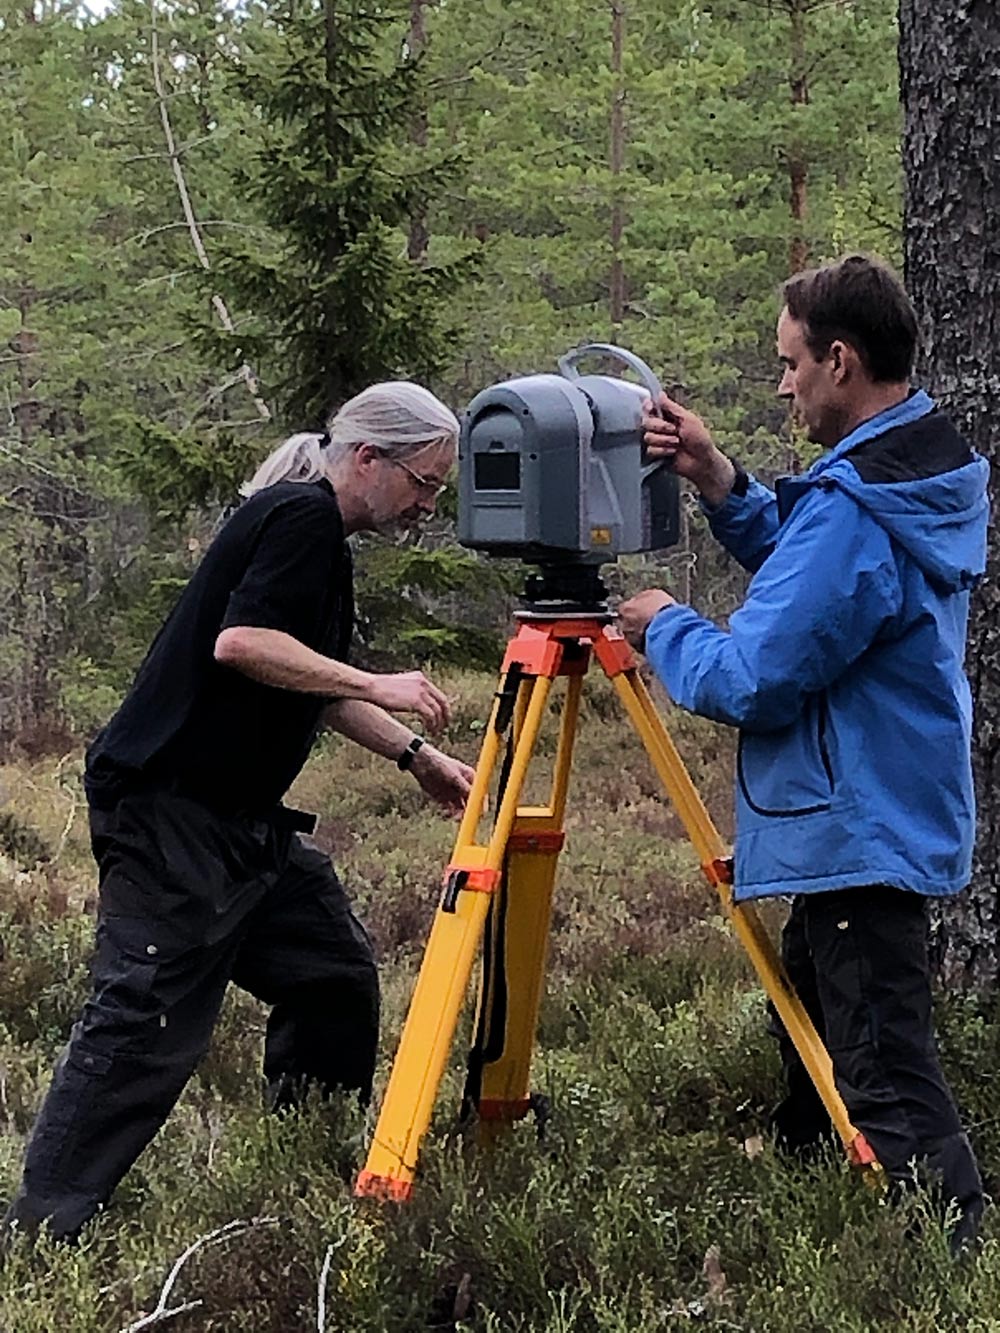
[427, 602]
[176, 472]
[22, 843]
[304, 148]
[711, 131]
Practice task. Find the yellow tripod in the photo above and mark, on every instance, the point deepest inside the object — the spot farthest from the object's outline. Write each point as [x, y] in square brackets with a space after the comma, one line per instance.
[514, 872]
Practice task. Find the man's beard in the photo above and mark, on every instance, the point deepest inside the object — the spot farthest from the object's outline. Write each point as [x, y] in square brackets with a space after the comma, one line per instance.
[400, 525]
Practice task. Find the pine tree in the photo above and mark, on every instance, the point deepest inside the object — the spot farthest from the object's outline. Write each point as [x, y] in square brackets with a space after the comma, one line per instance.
[950, 62]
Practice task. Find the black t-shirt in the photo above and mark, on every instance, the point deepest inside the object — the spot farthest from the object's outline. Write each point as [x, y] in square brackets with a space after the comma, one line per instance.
[280, 562]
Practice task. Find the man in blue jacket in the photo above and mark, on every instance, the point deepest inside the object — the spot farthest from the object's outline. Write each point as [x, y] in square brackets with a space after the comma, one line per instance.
[843, 670]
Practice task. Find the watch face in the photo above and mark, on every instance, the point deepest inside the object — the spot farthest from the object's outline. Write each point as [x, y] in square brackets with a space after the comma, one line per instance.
[406, 758]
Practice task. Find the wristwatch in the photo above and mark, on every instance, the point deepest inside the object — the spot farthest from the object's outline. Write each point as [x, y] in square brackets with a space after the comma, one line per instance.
[405, 760]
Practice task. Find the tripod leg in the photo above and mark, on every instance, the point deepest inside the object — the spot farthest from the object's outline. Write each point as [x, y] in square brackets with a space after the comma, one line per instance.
[745, 921]
[429, 1030]
[514, 967]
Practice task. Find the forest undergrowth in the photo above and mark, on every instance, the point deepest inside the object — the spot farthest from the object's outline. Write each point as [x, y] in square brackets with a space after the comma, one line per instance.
[652, 1199]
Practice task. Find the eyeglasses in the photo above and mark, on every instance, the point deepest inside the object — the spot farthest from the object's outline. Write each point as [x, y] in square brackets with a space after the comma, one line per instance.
[430, 485]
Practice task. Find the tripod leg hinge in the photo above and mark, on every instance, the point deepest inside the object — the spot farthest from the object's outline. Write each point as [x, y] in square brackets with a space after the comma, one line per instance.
[613, 652]
[386, 1188]
[479, 879]
[719, 871]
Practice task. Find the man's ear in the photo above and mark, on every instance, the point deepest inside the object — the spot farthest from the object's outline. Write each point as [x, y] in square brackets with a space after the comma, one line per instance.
[843, 358]
[366, 454]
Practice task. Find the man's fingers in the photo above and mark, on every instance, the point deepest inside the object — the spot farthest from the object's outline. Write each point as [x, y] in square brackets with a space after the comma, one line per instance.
[438, 703]
[670, 408]
[430, 710]
[431, 703]
[657, 431]
[442, 699]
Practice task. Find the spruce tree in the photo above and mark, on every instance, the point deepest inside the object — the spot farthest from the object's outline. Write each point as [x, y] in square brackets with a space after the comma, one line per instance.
[336, 303]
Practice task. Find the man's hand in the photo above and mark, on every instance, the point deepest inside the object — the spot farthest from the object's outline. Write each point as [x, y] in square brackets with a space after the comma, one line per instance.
[445, 780]
[410, 692]
[676, 434]
[635, 614]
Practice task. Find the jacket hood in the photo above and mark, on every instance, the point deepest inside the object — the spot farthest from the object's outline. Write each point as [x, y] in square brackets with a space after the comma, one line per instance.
[939, 520]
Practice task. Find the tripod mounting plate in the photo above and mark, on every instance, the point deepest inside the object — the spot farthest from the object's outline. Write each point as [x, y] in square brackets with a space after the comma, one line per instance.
[557, 590]
[564, 611]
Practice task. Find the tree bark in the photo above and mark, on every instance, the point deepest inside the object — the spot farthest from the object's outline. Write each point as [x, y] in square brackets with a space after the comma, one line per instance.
[416, 40]
[950, 68]
[798, 167]
[617, 164]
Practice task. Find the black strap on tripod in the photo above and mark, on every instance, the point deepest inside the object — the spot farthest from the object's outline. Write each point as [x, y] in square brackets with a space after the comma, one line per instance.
[487, 1044]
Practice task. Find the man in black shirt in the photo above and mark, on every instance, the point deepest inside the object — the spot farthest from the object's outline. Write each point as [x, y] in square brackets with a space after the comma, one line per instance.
[205, 877]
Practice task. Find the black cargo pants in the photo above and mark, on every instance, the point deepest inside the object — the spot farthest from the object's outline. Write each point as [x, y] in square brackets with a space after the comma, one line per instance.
[190, 900]
[858, 960]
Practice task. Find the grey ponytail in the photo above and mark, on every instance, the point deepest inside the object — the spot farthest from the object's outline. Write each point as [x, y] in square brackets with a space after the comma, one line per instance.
[398, 417]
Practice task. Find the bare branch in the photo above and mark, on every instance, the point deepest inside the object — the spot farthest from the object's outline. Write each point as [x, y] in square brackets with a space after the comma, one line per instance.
[321, 1292]
[199, 246]
[166, 277]
[141, 237]
[162, 1312]
[69, 790]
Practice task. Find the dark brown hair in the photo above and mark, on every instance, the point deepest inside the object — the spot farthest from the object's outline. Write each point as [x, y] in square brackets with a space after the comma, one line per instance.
[858, 300]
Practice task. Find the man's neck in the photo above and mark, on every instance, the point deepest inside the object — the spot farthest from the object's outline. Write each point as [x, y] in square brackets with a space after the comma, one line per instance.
[353, 510]
[879, 398]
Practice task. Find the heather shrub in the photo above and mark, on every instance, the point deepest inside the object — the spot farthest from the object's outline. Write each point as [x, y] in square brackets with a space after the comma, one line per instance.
[650, 1197]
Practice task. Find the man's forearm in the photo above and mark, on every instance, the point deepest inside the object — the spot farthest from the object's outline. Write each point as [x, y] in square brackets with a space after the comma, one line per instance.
[275, 658]
[369, 725]
[716, 480]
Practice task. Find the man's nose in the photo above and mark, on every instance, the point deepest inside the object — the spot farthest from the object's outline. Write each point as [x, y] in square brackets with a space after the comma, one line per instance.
[785, 389]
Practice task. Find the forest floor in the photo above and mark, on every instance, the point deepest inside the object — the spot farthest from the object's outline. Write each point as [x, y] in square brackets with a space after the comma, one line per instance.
[653, 1200]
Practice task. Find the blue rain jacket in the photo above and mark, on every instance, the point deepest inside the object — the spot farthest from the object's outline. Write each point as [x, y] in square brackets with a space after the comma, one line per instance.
[843, 668]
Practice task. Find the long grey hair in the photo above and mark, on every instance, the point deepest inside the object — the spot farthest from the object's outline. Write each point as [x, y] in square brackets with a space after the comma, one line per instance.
[398, 417]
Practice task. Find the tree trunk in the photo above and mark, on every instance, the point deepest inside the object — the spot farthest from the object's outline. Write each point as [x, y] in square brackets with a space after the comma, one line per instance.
[950, 67]
[617, 163]
[416, 40]
[798, 167]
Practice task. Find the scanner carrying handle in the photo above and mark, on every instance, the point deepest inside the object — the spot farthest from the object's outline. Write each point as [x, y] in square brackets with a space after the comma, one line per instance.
[568, 369]
[568, 365]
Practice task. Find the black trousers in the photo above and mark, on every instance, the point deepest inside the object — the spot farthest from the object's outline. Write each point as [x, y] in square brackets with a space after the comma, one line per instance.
[190, 900]
[858, 959]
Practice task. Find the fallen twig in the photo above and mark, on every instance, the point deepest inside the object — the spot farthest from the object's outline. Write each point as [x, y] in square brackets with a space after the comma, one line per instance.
[162, 1311]
[321, 1293]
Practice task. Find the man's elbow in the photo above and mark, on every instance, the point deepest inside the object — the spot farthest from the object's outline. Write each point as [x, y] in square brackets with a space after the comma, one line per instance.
[752, 706]
[770, 710]
[236, 646]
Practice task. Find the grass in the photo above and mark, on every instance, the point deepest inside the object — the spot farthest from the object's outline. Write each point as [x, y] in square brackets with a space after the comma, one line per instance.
[654, 1199]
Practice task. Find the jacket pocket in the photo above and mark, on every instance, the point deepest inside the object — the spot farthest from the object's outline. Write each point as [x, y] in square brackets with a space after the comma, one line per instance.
[787, 773]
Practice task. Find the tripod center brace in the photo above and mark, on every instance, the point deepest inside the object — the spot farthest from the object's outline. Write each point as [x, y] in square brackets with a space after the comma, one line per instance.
[515, 872]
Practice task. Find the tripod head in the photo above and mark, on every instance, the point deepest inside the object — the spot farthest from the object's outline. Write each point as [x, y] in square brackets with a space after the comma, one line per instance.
[571, 589]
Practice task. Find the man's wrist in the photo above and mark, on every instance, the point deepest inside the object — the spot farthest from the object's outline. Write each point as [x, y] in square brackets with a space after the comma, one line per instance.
[716, 485]
[409, 754]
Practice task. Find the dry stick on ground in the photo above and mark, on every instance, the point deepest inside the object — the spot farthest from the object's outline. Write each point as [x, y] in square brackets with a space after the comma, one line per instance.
[245, 373]
[321, 1292]
[161, 1313]
[69, 791]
